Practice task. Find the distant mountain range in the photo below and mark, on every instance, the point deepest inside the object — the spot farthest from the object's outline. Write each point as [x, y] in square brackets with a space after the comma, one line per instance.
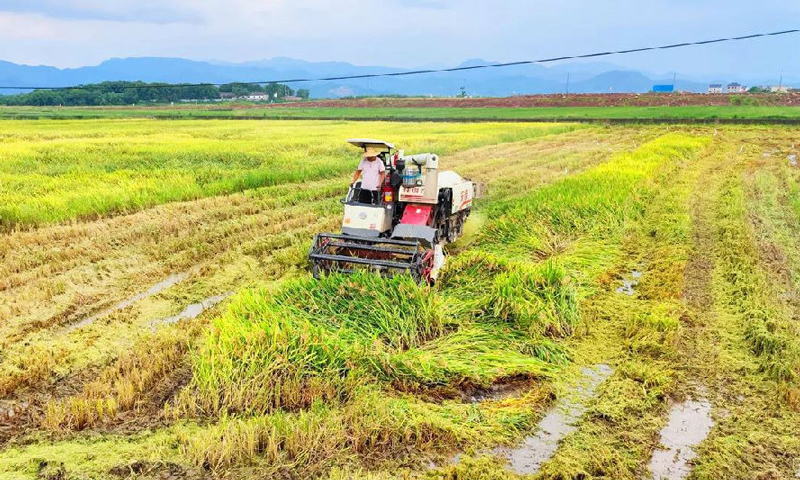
[527, 79]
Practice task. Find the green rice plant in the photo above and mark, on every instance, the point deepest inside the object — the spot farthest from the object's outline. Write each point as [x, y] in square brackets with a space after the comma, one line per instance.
[598, 202]
[476, 355]
[537, 299]
[540, 301]
[654, 330]
[365, 305]
[318, 340]
[309, 340]
[374, 424]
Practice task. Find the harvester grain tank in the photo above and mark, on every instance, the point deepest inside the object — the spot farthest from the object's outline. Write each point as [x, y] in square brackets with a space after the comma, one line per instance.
[420, 210]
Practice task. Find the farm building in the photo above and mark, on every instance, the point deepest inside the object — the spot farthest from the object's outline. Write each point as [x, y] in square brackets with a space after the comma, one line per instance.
[735, 88]
[715, 88]
[257, 96]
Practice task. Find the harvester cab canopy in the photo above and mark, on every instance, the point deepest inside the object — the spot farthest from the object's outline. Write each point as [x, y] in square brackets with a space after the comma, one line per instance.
[365, 143]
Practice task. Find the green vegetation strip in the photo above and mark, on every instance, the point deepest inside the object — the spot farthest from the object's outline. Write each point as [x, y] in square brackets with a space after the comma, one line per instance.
[732, 113]
[772, 336]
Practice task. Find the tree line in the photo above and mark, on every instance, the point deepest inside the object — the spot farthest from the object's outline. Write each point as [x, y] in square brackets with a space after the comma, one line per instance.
[129, 93]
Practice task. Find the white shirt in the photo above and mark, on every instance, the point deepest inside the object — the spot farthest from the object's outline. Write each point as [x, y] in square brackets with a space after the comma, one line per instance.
[371, 173]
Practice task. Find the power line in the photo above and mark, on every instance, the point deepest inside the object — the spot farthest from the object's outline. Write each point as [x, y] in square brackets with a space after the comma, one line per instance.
[441, 70]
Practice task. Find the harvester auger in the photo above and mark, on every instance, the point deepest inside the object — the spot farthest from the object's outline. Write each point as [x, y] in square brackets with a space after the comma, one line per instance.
[420, 209]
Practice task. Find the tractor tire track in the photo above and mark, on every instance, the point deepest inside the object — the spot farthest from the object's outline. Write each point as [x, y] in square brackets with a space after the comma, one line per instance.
[690, 421]
[559, 422]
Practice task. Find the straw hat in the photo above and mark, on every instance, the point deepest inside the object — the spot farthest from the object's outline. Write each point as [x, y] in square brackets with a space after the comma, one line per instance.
[371, 152]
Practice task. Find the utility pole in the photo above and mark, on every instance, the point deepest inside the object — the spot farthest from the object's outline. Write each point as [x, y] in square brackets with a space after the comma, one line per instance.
[674, 76]
[567, 83]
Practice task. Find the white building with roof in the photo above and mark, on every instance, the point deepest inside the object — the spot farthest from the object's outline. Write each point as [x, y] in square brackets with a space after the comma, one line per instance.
[735, 88]
[258, 96]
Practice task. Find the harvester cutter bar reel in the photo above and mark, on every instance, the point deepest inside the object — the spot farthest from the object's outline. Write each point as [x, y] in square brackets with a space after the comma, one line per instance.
[346, 253]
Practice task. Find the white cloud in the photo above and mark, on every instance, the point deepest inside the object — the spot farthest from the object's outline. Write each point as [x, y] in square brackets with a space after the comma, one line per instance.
[394, 32]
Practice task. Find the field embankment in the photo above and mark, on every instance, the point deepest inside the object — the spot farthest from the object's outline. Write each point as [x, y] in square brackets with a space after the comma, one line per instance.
[569, 100]
[613, 108]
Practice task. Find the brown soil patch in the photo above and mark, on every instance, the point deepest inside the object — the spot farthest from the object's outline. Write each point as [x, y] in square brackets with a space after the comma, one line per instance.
[141, 469]
[520, 101]
[557, 100]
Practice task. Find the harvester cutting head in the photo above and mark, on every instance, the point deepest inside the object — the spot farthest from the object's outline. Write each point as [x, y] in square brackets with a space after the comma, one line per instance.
[417, 210]
[386, 256]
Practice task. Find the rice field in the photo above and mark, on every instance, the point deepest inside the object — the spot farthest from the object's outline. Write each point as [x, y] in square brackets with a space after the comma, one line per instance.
[157, 316]
[56, 171]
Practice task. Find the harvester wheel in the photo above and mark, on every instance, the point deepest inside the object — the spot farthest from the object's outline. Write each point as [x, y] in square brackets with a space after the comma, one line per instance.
[452, 230]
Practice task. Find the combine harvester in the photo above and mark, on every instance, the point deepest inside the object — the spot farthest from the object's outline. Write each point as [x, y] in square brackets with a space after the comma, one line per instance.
[420, 209]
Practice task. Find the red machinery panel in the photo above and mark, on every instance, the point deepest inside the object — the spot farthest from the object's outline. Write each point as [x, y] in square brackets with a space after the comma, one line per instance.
[416, 214]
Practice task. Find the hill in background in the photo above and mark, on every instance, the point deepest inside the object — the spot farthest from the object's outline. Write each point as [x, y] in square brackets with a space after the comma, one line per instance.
[595, 77]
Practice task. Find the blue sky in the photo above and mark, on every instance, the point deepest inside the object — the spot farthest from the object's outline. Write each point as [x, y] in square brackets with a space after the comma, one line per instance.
[68, 33]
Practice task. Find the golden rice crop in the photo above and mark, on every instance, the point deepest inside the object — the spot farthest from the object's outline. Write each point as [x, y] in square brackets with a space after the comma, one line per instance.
[63, 170]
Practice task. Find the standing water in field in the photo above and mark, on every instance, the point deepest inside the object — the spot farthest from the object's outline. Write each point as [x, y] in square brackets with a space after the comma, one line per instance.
[629, 283]
[192, 311]
[557, 424]
[157, 288]
[689, 424]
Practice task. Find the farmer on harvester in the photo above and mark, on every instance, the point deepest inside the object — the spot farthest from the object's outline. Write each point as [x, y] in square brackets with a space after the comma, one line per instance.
[372, 172]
